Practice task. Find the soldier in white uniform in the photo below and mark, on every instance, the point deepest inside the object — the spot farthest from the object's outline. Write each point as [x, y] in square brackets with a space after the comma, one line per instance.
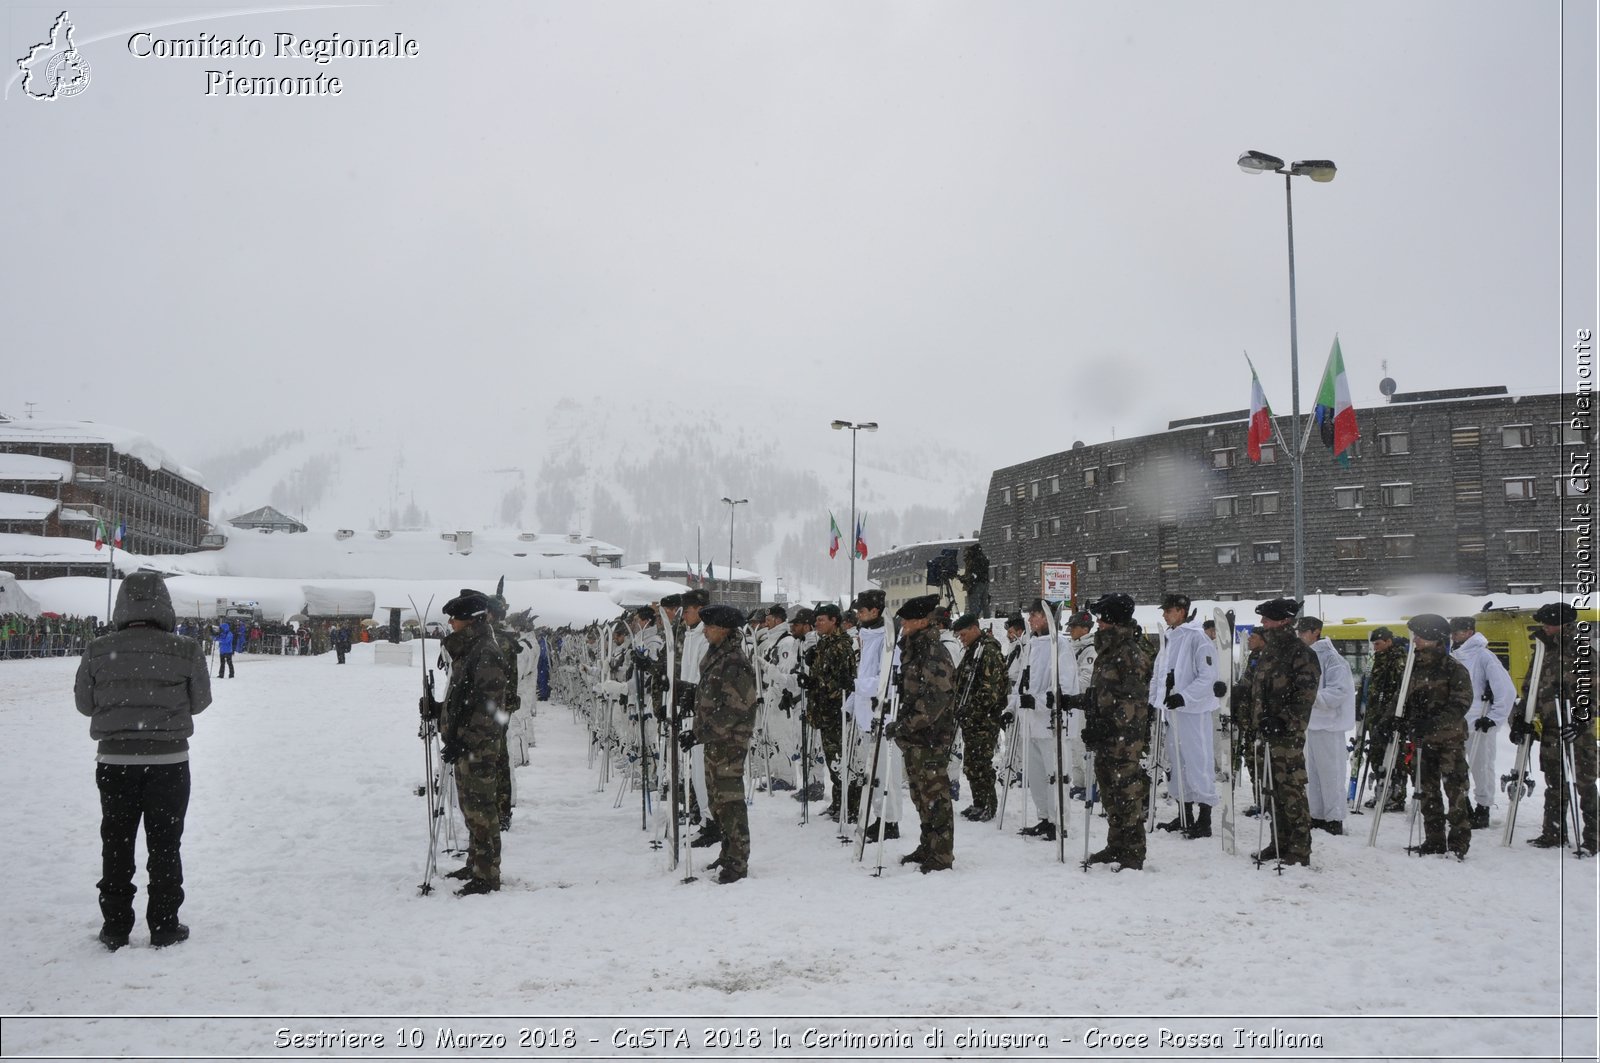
[1183, 693]
[1492, 695]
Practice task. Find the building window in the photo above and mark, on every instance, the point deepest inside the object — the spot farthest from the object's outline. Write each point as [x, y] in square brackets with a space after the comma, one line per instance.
[1353, 590]
[1390, 443]
[1021, 492]
[1522, 542]
[1564, 434]
[1091, 520]
[1005, 494]
[1005, 533]
[1055, 485]
[1516, 436]
[1091, 563]
[1269, 455]
[1117, 562]
[1396, 494]
[1224, 459]
[1091, 477]
[1227, 596]
[1525, 588]
[1571, 486]
[1225, 506]
[1265, 504]
[1347, 497]
[1116, 474]
[1519, 489]
[1036, 530]
[1228, 555]
[1033, 489]
[1267, 553]
[1399, 546]
[1119, 516]
[1055, 525]
[1353, 548]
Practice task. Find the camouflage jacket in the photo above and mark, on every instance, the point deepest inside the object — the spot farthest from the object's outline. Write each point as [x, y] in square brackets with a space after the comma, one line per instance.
[510, 646]
[475, 696]
[725, 699]
[1439, 695]
[834, 668]
[1285, 684]
[1244, 706]
[1383, 686]
[1118, 703]
[927, 715]
[982, 683]
[1558, 679]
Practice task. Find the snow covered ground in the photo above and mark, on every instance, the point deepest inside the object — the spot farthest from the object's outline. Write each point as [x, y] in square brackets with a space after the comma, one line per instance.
[304, 847]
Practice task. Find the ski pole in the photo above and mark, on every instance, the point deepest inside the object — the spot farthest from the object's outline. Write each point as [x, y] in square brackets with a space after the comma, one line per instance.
[1089, 788]
[1272, 791]
[1569, 777]
[1416, 796]
[1520, 771]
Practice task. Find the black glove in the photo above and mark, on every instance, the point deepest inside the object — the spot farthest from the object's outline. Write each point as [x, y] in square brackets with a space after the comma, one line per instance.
[1026, 701]
[1049, 699]
[1483, 723]
[450, 750]
[891, 729]
[1219, 689]
[513, 702]
[1570, 730]
[429, 708]
[786, 702]
[1272, 728]
[807, 681]
[686, 699]
[686, 741]
[1521, 729]
[1006, 718]
[1174, 701]
[1094, 732]
[1076, 701]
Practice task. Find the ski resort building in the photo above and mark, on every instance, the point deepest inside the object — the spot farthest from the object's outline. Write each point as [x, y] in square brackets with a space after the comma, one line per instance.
[902, 572]
[1471, 489]
[73, 480]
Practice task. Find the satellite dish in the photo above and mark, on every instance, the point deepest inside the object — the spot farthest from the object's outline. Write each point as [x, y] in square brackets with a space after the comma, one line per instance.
[1387, 386]
[1077, 444]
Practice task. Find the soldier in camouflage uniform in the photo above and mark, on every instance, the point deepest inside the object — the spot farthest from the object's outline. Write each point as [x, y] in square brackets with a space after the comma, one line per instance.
[830, 677]
[1383, 692]
[1436, 707]
[724, 723]
[924, 728]
[510, 646]
[472, 722]
[1116, 725]
[1244, 717]
[982, 687]
[1559, 679]
[1282, 692]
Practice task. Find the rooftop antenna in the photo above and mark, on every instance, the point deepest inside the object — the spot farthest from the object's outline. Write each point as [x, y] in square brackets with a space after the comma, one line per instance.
[30, 406]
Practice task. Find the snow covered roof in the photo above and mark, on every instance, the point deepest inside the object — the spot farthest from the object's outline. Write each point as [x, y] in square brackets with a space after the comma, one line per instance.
[123, 440]
[32, 468]
[26, 507]
[265, 516]
[678, 570]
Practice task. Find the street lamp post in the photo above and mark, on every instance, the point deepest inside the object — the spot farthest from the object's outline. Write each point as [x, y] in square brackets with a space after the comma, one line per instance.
[838, 426]
[732, 502]
[1321, 171]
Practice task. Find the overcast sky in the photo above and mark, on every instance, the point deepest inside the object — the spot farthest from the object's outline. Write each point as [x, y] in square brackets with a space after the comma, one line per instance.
[861, 209]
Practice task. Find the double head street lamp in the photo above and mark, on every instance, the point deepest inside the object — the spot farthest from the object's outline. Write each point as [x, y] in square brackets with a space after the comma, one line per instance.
[732, 502]
[839, 426]
[1322, 171]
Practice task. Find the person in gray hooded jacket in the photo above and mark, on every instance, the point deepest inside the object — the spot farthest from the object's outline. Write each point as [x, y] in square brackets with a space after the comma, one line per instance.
[141, 686]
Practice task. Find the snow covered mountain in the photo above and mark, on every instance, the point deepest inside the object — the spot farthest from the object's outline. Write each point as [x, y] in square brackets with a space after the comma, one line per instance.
[640, 473]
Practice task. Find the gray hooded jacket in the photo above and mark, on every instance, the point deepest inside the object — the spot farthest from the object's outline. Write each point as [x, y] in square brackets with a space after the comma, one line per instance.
[142, 685]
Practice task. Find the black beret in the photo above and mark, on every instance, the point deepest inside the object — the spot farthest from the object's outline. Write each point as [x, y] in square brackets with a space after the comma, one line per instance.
[872, 599]
[1430, 626]
[1308, 623]
[1463, 623]
[1175, 601]
[918, 608]
[1278, 609]
[1080, 620]
[803, 615]
[1380, 633]
[849, 616]
[828, 609]
[1015, 620]
[697, 598]
[1559, 613]
[1113, 608]
[778, 611]
[1038, 605]
[964, 621]
[646, 613]
[672, 601]
[466, 605]
[722, 616]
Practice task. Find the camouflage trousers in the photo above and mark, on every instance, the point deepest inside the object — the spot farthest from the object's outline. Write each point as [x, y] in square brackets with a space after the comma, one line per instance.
[927, 776]
[1124, 790]
[477, 787]
[502, 781]
[1290, 809]
[978, 740]
[725, 781]
[825, 729]
[1555, 790]
[1444, 763]
[1402, 776]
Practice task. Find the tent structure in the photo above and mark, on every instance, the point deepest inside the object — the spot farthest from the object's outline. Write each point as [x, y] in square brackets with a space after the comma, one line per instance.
[13, 599]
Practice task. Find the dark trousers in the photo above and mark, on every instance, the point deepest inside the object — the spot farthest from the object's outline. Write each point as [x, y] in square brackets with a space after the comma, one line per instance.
[159, 795]
[224, 664]
[341, 651]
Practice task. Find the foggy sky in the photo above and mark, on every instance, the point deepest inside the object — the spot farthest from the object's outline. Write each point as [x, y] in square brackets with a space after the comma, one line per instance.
[900, 211]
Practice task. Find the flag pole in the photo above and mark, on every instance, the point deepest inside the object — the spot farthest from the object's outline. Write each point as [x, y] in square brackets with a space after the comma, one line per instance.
[111, 542]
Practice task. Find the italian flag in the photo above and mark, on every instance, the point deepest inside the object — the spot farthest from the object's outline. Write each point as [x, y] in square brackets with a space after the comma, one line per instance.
[835, 535]
[1260, 418]
[99, 534]
[1336, 418]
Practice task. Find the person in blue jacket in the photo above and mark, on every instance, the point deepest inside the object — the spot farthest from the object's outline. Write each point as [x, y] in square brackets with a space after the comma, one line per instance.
[225, 651]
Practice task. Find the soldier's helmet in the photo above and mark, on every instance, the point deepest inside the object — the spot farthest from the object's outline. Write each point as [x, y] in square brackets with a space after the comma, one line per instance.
[1430, 626]
[672, 601]
[1113, 608]
[1559, 613]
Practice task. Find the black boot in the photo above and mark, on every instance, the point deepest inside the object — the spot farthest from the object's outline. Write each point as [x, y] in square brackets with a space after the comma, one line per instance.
[709, 835]
[1176, 822]
[891, 831]
[174, 935]
[112, 938]
[1104, 856]
[1042, 829]
[1480, 817]
[1200, 825]
[464, 872]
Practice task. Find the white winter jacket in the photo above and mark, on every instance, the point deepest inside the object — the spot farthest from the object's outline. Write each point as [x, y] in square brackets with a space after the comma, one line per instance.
[1335, 707]
[1492, 689]
[1190, 656]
